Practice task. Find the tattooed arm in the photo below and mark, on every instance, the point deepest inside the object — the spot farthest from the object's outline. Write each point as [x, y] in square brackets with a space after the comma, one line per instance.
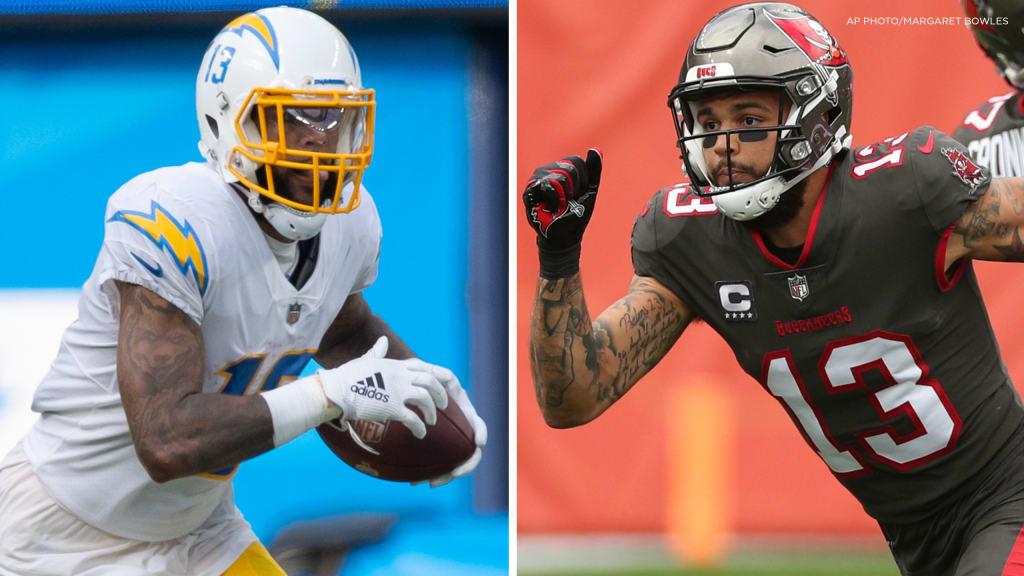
[581, 368]
[178, 430]
[991, 228]
[352, 333]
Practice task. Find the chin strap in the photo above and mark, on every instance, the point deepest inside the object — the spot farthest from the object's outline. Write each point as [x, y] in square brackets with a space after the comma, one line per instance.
[254, 202]
[841, 141]
[283, 219]
[1013, 73]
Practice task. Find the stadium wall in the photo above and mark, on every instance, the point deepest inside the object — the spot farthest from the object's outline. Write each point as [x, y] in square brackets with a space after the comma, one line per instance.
[91, 101]
[697, 436]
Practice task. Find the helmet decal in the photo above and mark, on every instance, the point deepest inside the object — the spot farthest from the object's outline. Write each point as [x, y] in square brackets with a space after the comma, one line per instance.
[291, 71]
[756, 47]
[811, 38]
[998, 28]
[261, 27]
[981, 20]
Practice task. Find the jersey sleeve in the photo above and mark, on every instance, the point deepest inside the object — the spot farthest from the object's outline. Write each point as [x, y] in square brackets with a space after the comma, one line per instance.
[947, 180]
[152, 240]
[647, 260]
[369, 239]
[653, 234]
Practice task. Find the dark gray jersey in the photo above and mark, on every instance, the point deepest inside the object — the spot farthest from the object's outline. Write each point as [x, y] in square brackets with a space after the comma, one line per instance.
[994, 135]
[887, 365]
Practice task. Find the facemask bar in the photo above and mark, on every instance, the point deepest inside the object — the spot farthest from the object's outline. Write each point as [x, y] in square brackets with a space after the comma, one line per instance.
[792, 153]
[689, 130]
[1010, 70]
[347, 163]
[1008, 59]
[712, 189]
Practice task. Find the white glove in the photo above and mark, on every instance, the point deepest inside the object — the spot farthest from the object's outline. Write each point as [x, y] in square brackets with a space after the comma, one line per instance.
[458, 395]
[376, 388]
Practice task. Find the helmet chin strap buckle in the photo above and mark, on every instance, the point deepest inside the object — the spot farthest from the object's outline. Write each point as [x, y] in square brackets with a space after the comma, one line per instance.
[292, 224]
[1013, 73]
[768, 199]
[254, 202]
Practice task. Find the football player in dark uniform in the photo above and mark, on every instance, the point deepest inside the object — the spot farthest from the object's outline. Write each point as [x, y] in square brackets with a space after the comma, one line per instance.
[841, 278]
[994, 132]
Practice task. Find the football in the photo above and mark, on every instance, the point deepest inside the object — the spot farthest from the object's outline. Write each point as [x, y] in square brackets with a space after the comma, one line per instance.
[403, 457]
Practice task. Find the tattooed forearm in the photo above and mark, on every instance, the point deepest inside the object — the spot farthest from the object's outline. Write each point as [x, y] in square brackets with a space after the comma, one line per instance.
[580, 368]
[652, 325]
[990, 229]
[561, 318]
[177, 430]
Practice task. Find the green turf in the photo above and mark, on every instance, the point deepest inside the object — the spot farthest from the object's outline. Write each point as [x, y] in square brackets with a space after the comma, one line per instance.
[818, 566]
[769, 571]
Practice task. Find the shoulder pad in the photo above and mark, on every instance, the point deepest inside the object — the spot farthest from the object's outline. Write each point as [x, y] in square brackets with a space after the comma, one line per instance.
[683, 200]
[981, 118]
[154, 220]
[664, 215]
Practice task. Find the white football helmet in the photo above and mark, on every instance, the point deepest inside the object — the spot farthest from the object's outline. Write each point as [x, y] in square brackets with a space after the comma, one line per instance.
[279, 91]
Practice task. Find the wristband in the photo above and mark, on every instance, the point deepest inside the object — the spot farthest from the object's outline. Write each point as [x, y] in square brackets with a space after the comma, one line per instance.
[561, 263]
[297, 407]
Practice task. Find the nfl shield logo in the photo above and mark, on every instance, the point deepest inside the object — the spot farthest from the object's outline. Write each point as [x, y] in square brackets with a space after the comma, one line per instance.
[369, 431]
[293, 313]
[798, 288]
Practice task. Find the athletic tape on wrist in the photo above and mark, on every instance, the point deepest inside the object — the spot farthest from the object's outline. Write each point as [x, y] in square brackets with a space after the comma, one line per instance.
[297, 407]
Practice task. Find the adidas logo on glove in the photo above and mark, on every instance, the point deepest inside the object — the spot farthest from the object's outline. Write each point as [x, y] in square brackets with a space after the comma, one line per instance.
[372, 387]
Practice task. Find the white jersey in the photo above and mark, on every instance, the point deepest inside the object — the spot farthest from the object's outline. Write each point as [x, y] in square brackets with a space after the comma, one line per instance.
[187, 236]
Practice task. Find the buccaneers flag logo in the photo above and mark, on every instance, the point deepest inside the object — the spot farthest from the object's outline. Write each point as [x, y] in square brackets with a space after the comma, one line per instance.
[811, 38]
[963, 168]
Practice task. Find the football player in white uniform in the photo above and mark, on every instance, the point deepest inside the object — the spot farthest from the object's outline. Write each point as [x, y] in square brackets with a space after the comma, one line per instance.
[216, 283]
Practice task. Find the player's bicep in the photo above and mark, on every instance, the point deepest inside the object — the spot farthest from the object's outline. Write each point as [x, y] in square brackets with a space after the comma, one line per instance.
[641, 327]
[354, 313]
[990, 228]
[346, 328]
[160, 358]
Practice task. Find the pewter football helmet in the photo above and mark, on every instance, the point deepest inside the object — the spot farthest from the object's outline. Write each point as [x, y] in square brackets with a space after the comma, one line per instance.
[765, 46]
[998, 27]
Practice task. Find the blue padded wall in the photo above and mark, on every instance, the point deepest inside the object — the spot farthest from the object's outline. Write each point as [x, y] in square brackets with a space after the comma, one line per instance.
[87, 112]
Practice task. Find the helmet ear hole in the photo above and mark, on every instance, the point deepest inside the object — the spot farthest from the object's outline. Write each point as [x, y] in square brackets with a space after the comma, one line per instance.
[212, 123]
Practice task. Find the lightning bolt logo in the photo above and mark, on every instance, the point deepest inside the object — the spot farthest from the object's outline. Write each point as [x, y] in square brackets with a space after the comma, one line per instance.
[164, 231]
[259, 26]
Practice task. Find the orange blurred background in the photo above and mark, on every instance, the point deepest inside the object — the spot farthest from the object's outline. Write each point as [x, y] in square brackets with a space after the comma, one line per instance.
[598, 73]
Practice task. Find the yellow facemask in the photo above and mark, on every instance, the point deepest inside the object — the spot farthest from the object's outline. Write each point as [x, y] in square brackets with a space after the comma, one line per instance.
[337, 132]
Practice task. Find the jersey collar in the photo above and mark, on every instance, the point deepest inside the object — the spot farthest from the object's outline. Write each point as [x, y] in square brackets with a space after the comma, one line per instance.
[813, 235]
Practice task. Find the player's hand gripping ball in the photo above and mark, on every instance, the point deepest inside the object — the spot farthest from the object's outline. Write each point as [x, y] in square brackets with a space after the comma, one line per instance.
[407, 451]
[398, 455]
